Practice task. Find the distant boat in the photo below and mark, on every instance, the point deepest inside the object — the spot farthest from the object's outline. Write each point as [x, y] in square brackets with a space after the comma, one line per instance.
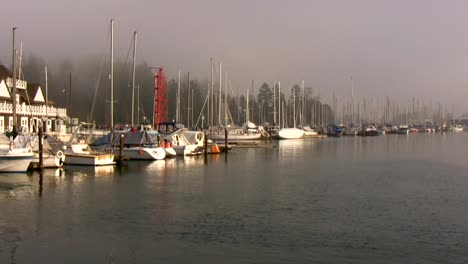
[248, 131]
[351, 131]
[403, 130]
[457, 128]
[184, 141]
[369, 131]
[309, 132]
[335, 131]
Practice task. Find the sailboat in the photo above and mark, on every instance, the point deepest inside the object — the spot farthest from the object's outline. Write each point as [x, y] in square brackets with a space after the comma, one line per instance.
[308, 131]
[248, 131]
[290, 132]
[77, 150]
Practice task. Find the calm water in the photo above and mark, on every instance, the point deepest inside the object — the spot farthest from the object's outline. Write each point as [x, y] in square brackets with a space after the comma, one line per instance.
[388, 199]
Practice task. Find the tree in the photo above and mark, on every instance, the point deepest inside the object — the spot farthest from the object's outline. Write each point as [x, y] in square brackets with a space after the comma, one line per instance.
[265, 101]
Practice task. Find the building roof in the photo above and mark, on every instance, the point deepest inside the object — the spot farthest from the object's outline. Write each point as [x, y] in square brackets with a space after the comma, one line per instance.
[4, 73]
[31, 95]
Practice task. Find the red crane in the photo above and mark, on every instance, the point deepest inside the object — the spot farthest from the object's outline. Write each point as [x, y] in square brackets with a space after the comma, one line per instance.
[161, 101]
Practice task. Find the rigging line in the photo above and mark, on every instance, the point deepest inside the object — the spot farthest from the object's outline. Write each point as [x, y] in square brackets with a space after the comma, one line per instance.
[127, 60]
[99, 79]
[233, 95]
[203, 107]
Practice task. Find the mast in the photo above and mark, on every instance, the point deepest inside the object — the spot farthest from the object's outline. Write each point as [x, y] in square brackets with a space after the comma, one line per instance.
[192, 108]
[20, 68]
[13, 91]
[303, 105]
[138, 102]
[225, 100]
[133, 73]
[212, 96]
[46, 100]
[253, 102]
[188, 99]
[220, 89]
[70, 92]
[247, 109]
[274, 103]
[294, 108]
[279, 104]
[112, 75]
[178, 97]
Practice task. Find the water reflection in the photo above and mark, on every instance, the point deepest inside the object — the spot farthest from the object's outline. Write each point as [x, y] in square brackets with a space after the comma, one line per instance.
[15, 185]
[160, 165]
[90, 171]
[290, 148]
[157, 165]
[306, 201]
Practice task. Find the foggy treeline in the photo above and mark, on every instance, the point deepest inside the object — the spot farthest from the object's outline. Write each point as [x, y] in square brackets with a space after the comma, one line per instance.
[76, 84]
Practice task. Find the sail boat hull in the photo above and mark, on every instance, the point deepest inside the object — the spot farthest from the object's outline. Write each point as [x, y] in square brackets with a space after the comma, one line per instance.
[237, 134]
[289, 133]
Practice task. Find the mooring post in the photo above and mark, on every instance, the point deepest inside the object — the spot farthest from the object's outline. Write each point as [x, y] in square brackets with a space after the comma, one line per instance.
[205, 143]
[121, 146]
[226, 140]
[41, 180]
[41, 157]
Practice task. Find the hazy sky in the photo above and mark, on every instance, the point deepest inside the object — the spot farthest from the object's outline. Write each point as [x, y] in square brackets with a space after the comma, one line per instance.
[399, 48]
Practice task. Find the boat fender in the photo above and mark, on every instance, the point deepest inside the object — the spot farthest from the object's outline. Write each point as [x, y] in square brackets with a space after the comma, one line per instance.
[59, 156]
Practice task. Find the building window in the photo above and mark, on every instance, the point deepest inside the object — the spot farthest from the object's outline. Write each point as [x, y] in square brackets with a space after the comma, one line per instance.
[10, 123]
[24, 124]
[2, 124]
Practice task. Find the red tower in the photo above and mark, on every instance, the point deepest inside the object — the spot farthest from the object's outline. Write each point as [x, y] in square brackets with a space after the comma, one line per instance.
[160, 97]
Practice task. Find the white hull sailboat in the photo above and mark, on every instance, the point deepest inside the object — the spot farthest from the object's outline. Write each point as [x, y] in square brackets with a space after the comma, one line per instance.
[237, 134]
[289, 133]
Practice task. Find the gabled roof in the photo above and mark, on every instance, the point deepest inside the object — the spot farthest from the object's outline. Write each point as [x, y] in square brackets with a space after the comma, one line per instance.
[4, 91]
[33, 94]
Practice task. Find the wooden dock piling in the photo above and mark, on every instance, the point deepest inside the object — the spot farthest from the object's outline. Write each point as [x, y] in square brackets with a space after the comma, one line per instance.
[41, 143]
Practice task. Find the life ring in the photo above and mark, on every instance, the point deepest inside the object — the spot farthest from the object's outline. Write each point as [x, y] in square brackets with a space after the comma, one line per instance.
[60, 157]
[59, 154]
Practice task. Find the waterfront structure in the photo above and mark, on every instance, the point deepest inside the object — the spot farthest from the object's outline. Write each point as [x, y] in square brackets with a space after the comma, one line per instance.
[32, 107]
